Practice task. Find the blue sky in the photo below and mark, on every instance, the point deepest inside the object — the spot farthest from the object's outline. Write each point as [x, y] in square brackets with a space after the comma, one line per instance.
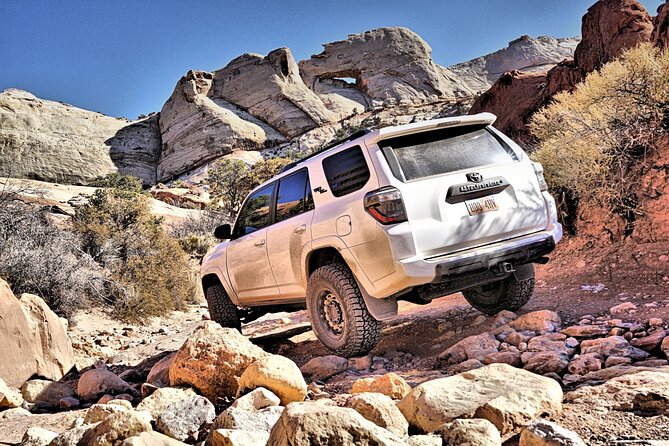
[123, 57]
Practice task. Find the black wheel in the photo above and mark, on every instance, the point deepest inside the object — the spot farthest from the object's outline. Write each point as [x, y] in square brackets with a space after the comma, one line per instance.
[221, 308]
[507, 294]
[338, 313]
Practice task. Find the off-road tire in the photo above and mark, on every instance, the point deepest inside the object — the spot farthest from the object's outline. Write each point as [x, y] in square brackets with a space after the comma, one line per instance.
[507, 294]
[221, 308]
[360, 332]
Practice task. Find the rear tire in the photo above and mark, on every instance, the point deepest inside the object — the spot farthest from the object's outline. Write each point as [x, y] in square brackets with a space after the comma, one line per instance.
[221, 308]
[507, 294]
[338, 313]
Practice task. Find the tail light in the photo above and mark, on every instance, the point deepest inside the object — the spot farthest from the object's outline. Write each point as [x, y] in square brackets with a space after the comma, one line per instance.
[539, 171]
[386, 206]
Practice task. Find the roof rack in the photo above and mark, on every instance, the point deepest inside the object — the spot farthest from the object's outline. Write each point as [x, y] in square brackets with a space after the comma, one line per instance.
[351, 137]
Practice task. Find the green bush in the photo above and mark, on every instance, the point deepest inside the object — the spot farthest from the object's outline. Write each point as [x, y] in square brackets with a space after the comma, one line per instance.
[592, 139]
[149, 269]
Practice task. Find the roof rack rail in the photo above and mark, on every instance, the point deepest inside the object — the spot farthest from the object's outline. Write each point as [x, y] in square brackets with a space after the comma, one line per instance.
[351, 137]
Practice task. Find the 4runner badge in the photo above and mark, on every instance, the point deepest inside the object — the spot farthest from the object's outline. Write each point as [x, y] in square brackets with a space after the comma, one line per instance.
[320, 190]
[474, 177]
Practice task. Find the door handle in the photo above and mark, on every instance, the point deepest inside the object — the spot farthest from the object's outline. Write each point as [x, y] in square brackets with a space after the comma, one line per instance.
[300, 229]
[260, 242]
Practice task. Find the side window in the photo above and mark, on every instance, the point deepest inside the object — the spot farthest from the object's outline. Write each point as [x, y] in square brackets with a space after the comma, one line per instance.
[255, 213]
[346, 171]
[291, 199]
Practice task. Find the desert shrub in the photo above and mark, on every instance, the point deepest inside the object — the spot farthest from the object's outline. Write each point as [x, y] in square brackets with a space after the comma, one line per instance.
[120, 183]
[590, 140]
[230, 181]
[39, 258]
[149, 269]
[195, 234]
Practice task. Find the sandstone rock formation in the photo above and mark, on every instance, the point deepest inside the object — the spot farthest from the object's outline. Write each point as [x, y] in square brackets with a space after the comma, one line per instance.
[661, 27]
[135, 149]
[18, 363]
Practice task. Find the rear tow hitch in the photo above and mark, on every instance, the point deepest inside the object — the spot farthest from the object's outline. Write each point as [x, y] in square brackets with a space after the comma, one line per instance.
[504, 268]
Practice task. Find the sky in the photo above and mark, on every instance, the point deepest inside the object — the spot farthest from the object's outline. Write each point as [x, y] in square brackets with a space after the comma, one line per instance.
[124, 57]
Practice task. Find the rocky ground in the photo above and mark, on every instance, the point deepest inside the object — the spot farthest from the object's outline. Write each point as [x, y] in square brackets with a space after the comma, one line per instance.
[590, 357]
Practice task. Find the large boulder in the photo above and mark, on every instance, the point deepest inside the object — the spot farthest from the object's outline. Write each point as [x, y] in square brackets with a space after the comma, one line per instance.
[608, 29]
[212, 360]
[52, 347]
[380, 410]
[307, 424]
[197, 128]
[278, 374]
[96, 382]
[508, 397]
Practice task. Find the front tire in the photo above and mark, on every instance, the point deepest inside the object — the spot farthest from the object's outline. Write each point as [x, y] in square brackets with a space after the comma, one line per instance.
[507, 294]
[338, 313]
[221, 308]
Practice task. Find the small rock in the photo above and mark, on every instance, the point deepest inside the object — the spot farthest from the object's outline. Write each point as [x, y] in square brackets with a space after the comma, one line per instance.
[256, 400]
[68, 403]
[585, 331]
[116, 428]
[472, 347]
[649, 342]
[99, 412]
[613, 361]
[261, 420]
[380, 410]
[473, 432]
[651, 363]
[624, 307]
[613, 346]
[37, 436]
[545, 362]
[45, 391]
[616, 331]
[465, 366]
[238, 437]
[654, 321]
[151, 439]
[14, 412]
[478, 320]
[424, 440]
[390, 384]
[278, 374]
[665, 346]
[506, 357]
[99, 381]
[360, 364]
[543, 321]
[324, 367]
[588, 362]
[545, 433]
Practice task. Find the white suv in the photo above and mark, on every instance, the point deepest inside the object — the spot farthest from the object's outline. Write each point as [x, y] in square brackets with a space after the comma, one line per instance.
[412, 212]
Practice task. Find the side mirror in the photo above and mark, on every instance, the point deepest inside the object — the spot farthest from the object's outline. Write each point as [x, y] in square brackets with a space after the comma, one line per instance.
[223, 232]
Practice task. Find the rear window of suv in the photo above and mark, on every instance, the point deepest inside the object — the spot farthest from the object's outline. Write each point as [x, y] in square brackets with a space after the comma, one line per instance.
[346, 171]
[438, 152]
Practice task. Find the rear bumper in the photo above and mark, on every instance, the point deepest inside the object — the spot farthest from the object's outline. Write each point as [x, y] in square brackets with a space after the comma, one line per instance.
[419, 271]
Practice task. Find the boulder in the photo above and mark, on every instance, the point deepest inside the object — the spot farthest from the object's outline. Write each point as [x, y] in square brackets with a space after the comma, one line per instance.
[53, 350]
[238, 437]
[159, 375]
[389, 384]
[74, 434]
[586, 363]
[545, 433]
[212, 360]
[508, 397]
[380, 410]
[424, 440]
[37, 436]
[96, 382]
[306, 424]
[184, 418]
[613, 346]
[162, 398]
[260, 420]
[14, 412]
[505, 357]
[472, 347]
[554, 342]
[545, 362]
[622, 308]
[197, 128]
[664, 346]
[135, 149]
[278, 374]
[608, 29]
[99, 412]
[474, 432]
[18, 360]
[651, 341]
[540, 322]
[324, 367]
[646, 391]
[47, 392]
[9, 397]
[114, 429]
[255, 400]
[605, 374]
[151, 439]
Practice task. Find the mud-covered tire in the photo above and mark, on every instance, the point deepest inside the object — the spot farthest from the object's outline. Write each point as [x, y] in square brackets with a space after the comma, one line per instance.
[507, 294]
[356, 331]
[221, 308]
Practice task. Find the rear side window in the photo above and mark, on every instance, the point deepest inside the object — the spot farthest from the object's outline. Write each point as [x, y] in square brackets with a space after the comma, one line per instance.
[443, 151]
[294, 196]
[255, 213]
[346, 171]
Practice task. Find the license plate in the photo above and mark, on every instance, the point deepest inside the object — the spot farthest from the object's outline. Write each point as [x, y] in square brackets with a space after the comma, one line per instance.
[485, 204]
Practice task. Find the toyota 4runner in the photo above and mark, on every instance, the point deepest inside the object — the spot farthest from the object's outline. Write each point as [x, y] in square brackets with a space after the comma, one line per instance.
[412, 212]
